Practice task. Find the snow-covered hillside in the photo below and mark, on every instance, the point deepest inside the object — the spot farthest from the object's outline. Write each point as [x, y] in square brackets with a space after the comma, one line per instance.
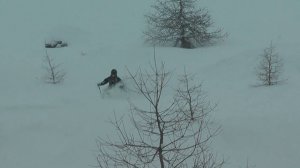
[55, 126]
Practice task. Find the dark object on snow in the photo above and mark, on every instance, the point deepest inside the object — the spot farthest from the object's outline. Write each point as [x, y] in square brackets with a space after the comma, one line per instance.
[112, 80]
[56, 44]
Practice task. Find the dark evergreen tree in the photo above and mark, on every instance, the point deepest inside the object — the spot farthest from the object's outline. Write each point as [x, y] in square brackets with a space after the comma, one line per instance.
[180, 23]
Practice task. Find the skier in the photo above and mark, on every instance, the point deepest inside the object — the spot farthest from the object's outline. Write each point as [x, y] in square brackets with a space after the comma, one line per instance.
[112, 80]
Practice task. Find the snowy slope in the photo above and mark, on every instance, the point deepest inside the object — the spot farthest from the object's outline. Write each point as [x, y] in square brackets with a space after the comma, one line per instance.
[44, 125]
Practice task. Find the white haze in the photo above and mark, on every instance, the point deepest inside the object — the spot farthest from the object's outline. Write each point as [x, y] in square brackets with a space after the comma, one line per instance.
[55, 126]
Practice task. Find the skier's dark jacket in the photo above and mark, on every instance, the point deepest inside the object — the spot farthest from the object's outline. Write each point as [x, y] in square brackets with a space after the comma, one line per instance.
[112, 80]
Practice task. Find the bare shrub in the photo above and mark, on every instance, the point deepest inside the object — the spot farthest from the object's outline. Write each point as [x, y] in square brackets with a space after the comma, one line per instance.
[270, 66]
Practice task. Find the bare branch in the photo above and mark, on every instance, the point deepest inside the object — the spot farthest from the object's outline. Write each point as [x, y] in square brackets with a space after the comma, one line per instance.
[174, 135]
[54, 73]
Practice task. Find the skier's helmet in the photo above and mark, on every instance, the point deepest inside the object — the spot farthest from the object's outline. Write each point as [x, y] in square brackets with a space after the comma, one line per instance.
[114, 72]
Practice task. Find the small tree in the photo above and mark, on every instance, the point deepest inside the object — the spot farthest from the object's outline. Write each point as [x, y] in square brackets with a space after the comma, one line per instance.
[181, 23]
[174, 134]
[54, 74]
[270, 66]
